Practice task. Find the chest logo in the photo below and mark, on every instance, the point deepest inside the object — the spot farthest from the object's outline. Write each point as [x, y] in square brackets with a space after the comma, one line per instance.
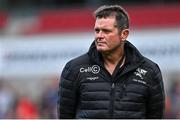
[140, 72]
[94, 69]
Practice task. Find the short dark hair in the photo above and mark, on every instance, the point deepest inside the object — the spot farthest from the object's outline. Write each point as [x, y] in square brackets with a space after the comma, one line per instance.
[122, 17]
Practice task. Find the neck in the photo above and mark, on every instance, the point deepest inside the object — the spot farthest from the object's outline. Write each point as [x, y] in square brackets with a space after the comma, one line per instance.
[111, 59]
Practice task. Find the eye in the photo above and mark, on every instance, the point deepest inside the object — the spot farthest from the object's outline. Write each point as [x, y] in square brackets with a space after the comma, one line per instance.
[97, 30]
[106, 31]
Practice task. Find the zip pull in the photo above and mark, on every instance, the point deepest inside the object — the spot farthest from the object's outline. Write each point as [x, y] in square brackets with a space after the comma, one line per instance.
[124, 87]
[123, 93]
[112, 86]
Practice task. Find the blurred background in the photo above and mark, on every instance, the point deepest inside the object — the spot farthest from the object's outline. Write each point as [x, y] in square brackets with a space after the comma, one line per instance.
[37, 38]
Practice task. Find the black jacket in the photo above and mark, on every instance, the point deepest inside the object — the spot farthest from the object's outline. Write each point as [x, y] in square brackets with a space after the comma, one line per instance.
[87, 90]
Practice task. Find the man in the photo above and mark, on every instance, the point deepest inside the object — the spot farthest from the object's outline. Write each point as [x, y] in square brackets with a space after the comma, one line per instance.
[112, 80]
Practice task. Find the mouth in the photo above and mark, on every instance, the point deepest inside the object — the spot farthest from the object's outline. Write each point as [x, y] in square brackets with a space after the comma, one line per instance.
[99, 43]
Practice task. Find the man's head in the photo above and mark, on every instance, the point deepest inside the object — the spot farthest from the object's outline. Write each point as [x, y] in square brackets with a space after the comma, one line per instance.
[111, 28]
[122, 18]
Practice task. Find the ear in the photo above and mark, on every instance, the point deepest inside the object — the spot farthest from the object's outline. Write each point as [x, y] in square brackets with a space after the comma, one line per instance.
[124, 34]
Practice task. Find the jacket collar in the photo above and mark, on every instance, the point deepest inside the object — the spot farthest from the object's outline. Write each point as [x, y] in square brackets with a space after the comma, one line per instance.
[133, 56]
[95, 56]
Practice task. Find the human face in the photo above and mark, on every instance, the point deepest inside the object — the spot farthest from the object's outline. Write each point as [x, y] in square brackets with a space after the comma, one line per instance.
[107, 35]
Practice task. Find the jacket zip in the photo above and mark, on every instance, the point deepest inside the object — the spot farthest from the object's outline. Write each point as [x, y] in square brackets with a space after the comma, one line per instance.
[112, 94]
[113, 85]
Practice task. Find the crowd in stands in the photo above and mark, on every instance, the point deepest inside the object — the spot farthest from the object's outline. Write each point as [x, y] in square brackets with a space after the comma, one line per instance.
[14, 105]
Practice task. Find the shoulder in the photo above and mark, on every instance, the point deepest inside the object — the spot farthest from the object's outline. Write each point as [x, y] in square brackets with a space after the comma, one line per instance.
[73, 65]
[149, 64]
[78, 61]
[153, 71]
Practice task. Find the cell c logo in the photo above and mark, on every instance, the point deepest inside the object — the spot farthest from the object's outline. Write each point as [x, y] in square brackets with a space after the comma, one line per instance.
[95, 69]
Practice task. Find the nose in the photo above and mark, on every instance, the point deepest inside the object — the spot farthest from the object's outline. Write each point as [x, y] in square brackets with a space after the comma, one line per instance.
[99, 35]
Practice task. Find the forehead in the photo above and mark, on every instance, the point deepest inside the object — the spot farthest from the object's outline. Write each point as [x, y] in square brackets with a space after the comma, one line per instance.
[105, 22]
